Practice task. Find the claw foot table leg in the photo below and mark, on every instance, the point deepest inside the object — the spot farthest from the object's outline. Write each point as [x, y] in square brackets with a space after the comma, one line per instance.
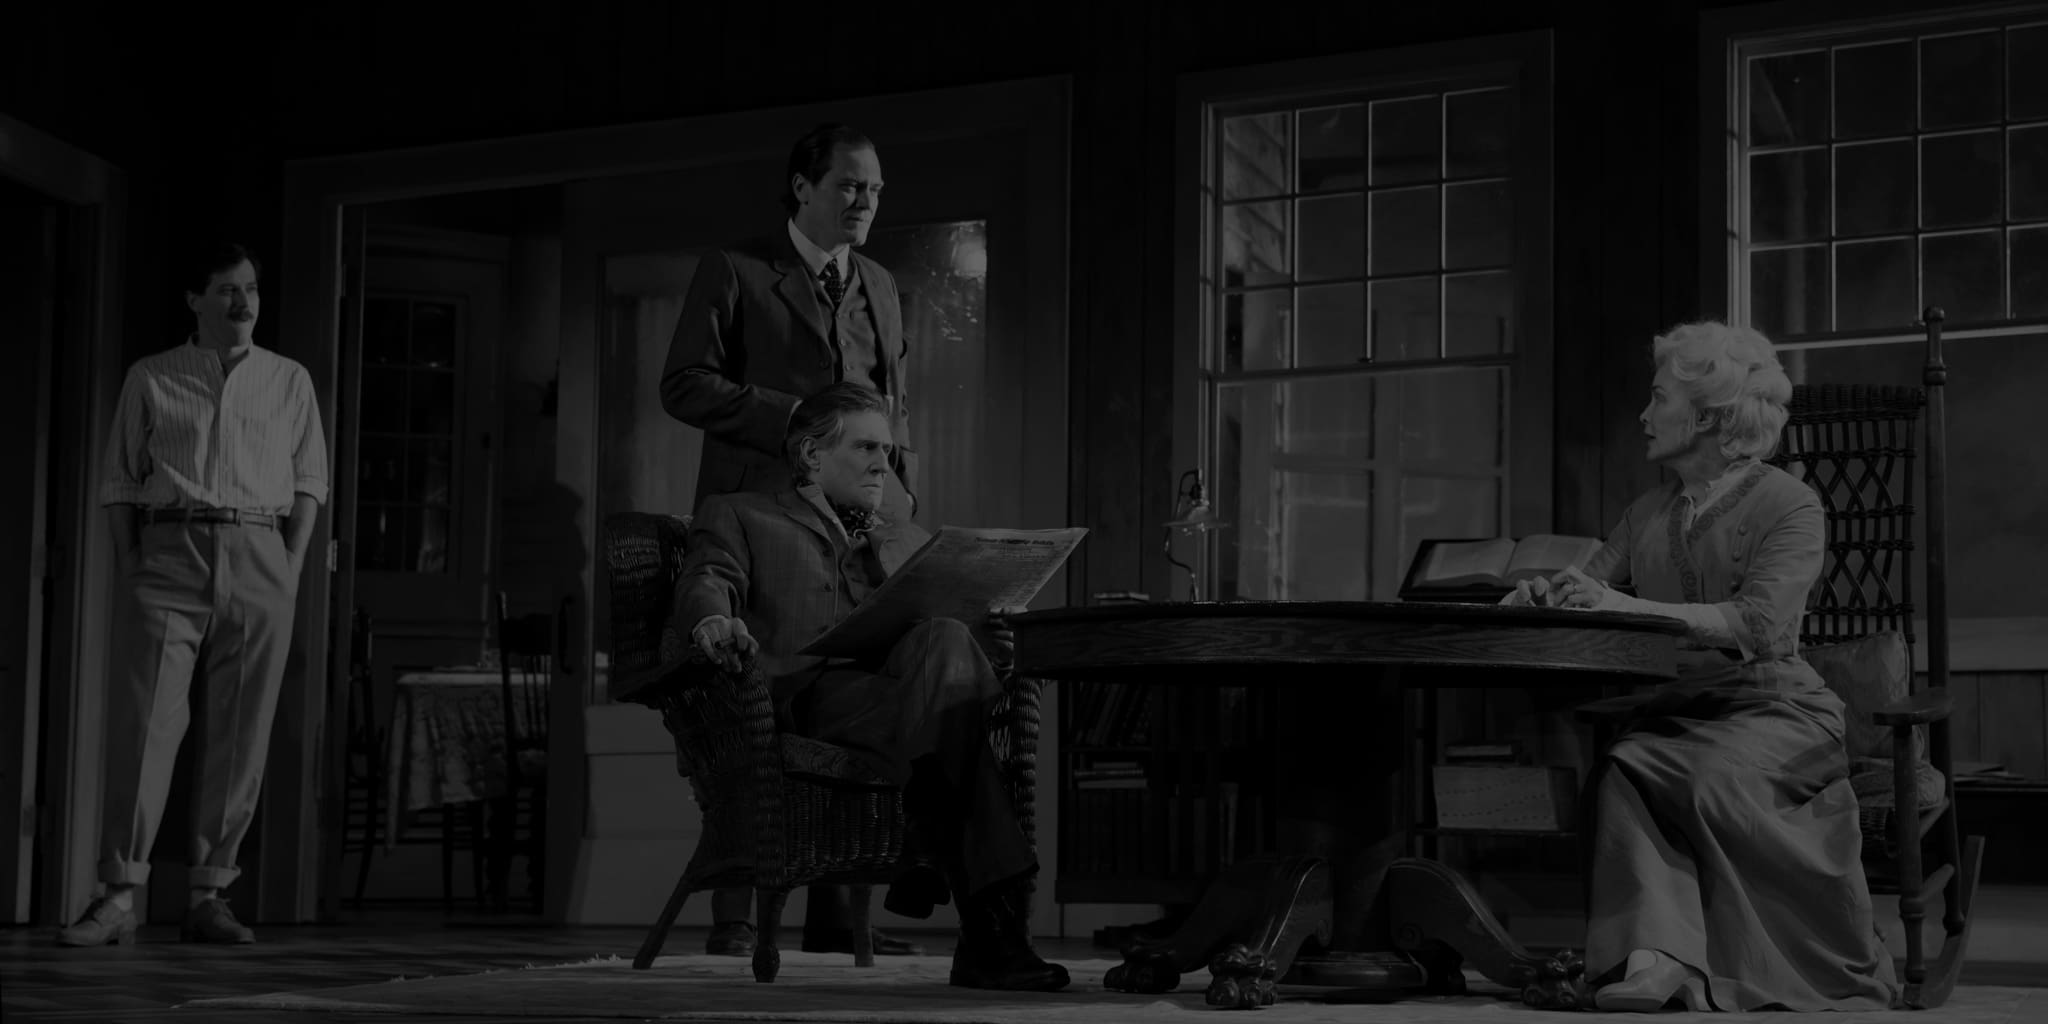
[1266, 905]
[1297, 907]
[1436, 915]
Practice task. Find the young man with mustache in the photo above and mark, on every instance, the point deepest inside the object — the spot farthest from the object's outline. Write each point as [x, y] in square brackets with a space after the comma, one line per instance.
[215, 469]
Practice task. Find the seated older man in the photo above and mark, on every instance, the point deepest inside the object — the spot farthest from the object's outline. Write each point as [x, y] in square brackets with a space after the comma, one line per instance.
[769, 572]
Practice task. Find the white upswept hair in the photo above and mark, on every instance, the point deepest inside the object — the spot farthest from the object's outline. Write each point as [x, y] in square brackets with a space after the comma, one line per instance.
[1732, 375]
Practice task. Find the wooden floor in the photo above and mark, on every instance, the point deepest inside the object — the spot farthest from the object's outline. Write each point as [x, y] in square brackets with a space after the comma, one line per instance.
[40, 981]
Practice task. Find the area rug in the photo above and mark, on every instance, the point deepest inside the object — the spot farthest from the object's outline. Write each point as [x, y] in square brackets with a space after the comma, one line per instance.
[828, 989]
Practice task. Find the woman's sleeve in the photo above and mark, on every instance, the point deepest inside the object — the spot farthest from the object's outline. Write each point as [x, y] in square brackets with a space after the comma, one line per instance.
[1765, 611]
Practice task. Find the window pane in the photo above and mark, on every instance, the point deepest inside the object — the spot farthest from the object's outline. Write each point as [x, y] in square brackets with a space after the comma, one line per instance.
[1329, 417]
[1332, 236]
[1478, 133]
[1874, 285]
[1331, 326]
[1874, 188]
[2029, 173]
[1479, 313]
[433, 334]
[1789, 291]
[1406, 140]
[1788, 196]
[1450, 417]
[1478, 224]
[431, 396]
[1324, 417]
[1255, 335]
[1959, 80]
[1962, 275]
[1255, 155]
[1256, 247]
[430, 538]
[1874, 90]
[1404, 230]
[383, 400]
[2029, 271]
[1293, 531]
[1959, 180]
[428, 469]
[2027, 75]
[1788, 99]
[380, 469]
[1404, 319]
[1333, 148]
[384, 340]
[1327, 536]
[379, 536]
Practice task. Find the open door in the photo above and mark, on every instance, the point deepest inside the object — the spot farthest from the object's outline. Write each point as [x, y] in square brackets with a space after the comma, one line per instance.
[29, 230]
[339, 555]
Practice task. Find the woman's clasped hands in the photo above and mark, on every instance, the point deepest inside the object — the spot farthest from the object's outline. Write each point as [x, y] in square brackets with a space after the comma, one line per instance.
[1568, 589]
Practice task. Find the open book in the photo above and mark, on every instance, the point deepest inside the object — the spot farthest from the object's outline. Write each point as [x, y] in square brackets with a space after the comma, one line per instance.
[1491, 565]
[960, 573]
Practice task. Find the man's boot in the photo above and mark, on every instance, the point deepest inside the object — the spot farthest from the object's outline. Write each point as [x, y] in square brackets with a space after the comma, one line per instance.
[995, 942]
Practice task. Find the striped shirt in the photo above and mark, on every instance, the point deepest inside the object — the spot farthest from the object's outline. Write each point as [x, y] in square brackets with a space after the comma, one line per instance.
[187, 435]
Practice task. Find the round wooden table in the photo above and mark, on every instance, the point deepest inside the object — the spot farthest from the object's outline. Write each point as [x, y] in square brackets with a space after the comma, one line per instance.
[1382, 922]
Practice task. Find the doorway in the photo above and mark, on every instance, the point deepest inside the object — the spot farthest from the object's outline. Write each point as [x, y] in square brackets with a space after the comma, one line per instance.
[61, 223]
[30, 229]
[977, 202]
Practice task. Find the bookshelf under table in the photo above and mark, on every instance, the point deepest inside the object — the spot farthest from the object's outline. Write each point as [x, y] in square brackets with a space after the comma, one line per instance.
[1330, 676]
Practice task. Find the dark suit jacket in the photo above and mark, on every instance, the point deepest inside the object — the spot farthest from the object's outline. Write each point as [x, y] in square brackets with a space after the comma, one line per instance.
[776, 563]
[754, 339]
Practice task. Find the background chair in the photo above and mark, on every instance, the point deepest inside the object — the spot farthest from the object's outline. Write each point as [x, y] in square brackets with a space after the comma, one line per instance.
[530, 652]
[455, 830]
[780, 811]
[1856, 446]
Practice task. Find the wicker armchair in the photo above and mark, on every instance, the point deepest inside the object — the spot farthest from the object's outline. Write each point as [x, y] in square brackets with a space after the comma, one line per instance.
[1856, 447]
[780, 811]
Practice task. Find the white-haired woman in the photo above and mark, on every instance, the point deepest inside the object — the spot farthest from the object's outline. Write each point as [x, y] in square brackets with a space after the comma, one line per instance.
[1726, 870]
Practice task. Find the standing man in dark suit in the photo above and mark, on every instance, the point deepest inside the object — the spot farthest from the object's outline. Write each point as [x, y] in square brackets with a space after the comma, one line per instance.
[767, 573]
[764, 323]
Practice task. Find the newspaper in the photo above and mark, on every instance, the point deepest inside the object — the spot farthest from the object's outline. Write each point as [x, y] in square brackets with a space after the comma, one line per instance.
[961, 573]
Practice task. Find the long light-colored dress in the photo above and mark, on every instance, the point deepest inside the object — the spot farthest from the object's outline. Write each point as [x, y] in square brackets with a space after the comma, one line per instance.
[1726, 833]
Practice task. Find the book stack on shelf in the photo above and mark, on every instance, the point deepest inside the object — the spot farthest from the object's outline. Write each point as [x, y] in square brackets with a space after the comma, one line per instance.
[1486, 787]
[1111, 798]
[1110, 726]
[1111, 715]
[1161, 787]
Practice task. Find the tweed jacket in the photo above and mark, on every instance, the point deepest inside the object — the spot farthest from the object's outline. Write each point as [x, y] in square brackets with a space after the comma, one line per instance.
[778, 564]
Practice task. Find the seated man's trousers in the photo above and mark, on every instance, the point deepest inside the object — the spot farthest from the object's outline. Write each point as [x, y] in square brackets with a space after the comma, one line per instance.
[922, 722]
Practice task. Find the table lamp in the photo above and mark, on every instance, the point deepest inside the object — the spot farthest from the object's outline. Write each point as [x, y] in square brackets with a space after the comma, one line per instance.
[1192, 515]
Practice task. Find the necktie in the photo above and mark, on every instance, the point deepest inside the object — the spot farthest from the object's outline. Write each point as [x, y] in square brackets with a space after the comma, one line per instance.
[835, 287]
[857, 521]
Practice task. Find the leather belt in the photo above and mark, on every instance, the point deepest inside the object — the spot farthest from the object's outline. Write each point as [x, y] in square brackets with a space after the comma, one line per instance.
[227, 516]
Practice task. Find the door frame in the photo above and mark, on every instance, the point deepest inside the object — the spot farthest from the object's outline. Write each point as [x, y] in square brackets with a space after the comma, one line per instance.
[79, 559]
[1035, 112]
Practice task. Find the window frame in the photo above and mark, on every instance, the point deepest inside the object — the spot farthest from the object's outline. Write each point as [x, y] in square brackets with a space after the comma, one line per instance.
[1727, 37]
[1522, 61]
